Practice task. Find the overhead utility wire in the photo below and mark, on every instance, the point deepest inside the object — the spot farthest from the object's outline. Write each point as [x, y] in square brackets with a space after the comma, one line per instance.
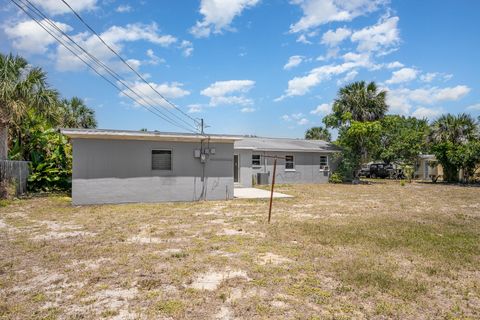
[103, 65]
[127, 64]
[93, 68]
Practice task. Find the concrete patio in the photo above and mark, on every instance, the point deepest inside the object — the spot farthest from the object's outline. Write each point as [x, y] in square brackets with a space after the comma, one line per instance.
[254, 193]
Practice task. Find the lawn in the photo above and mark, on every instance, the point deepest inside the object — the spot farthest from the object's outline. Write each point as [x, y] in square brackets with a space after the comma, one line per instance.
[377, 251]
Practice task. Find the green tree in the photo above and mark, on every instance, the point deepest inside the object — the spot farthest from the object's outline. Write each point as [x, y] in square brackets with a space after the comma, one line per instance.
[22, 88]
[356, 113]
[75, 114]
[318, 133]
[402, 139]
[357, 101]
[454, 141]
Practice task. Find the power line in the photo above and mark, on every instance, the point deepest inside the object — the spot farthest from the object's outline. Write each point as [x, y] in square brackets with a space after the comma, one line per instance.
[99, 62]
[49, 31]
[126, 63]
[93, 68]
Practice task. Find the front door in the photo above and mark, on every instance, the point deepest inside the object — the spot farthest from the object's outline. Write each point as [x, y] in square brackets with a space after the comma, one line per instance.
[235, 168]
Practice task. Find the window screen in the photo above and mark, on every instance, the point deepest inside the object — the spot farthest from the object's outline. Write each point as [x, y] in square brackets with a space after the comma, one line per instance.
[255, 159]
[323, 163]
[289, 163]
[161, 160]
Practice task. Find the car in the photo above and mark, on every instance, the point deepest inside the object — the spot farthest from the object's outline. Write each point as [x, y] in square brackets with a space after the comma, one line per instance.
[381, 170]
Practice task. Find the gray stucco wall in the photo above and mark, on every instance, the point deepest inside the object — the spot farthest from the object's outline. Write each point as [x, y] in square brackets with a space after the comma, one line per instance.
[119, 171]
[307, 167]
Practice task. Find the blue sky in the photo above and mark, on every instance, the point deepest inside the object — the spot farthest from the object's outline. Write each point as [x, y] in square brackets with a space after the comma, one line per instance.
[270, 68]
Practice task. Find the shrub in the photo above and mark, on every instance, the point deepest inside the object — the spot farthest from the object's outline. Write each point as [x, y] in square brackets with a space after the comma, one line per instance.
[336, 177]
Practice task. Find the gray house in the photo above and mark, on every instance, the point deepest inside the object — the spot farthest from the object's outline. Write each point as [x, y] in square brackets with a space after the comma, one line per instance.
[112, 166]
[303, 161]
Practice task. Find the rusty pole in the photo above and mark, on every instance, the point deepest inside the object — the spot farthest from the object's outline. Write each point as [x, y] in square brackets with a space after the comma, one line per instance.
[273, 184]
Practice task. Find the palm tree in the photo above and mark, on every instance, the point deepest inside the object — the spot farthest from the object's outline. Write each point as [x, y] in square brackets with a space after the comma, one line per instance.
[318, 133]
[449, 132]
[22, 87]
[77, 115]
[363, 102]
[455, 129]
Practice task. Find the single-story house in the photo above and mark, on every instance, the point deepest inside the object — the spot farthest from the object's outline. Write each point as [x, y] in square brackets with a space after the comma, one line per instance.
[300, 161]
[427, 167]
[117, 166]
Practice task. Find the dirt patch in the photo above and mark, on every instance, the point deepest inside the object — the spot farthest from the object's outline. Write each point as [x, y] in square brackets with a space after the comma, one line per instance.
[53, 235]
[211, 280]
[272, 258]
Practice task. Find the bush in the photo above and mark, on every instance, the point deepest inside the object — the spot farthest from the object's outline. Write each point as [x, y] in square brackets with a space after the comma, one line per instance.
[336, 177]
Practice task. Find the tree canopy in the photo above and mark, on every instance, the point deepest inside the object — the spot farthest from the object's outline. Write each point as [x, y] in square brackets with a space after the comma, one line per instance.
[318, 133]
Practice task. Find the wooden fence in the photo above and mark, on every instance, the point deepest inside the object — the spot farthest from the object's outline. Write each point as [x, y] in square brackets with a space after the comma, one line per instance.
[15, 172]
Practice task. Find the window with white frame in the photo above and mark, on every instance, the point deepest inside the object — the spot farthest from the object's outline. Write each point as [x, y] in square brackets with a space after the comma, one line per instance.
[255, 160]
[289, 163]
[162, 160]
[323, 162]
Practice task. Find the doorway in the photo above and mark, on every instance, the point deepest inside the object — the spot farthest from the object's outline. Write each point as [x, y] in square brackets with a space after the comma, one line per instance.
[235, 168]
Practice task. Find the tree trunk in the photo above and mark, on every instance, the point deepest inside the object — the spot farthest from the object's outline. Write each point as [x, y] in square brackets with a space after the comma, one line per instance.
[3, 141]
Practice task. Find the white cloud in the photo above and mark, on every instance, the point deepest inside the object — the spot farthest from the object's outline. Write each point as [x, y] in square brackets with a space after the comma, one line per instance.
[218, 15]
[303, 39]
[430, 76]
[474, 107]
[319, 12]
[195, 108]
[429, 113]
[322, 109]
[298, 118]
[333, 38]
[401, 100]
[55, 7]
[348, 77]
[169, 90]
[394, 65]
[154, 59]
[247, 110]
[187, 48]
[229, 92]
[123, 8]
[29, 37]
[115, 36]
[293, 61]
[299, 86]
[380, 37]
[403, 75]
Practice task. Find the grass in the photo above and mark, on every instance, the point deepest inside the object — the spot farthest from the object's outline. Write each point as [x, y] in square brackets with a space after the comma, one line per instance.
[384, 250]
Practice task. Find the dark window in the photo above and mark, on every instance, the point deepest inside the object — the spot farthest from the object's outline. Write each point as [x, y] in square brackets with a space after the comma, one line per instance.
[323, 163]
[289, 163]
[161, 160]
[255, 159]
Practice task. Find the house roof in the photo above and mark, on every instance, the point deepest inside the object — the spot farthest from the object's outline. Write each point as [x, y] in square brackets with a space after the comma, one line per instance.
[108, 134]
[285, 144]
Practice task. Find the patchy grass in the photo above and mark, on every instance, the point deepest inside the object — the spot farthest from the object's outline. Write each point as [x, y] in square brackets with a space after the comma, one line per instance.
[384, 250]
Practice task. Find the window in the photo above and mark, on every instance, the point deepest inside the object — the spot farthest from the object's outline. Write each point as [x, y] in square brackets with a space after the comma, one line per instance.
[289, 163]
[161, 160]
[323, 163]
[255, 160]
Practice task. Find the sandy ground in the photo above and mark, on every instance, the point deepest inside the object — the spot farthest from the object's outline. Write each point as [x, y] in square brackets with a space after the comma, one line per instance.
[379, 251]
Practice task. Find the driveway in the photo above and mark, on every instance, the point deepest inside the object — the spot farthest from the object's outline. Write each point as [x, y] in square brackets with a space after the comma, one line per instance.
[254, 193]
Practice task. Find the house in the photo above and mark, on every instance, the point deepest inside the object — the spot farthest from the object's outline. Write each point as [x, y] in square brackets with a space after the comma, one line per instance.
[427, 167]
[117, 166]
[300, 161]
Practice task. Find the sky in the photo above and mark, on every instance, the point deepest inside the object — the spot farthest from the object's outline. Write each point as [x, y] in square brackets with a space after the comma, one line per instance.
[266, 68]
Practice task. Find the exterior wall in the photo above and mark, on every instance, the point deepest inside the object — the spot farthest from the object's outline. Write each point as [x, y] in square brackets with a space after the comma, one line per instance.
[423, 170]
[307, 167]
[119, 171]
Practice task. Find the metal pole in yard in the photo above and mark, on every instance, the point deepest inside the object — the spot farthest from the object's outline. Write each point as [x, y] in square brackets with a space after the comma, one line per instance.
[273, 184]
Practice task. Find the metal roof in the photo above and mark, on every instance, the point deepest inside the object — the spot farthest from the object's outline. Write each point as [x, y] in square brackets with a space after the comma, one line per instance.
[108, 134]
[285, 144]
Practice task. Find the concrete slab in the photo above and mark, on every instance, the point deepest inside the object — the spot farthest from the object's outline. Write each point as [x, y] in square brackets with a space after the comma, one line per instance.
[254, 193]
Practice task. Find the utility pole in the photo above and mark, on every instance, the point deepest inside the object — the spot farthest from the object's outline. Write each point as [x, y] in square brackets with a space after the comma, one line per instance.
[201, 126]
